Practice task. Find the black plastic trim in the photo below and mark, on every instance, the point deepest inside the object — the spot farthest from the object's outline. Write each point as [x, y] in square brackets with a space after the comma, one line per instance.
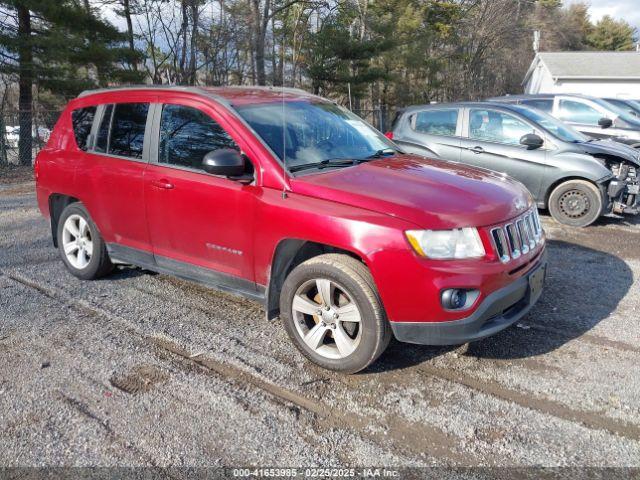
[187, 271]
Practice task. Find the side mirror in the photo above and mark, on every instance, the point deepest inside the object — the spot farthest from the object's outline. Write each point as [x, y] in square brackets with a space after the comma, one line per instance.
[532, 141]
[605, 122]
[225, 162]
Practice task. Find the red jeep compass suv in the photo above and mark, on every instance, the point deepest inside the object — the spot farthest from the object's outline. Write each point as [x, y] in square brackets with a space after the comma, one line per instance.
[290, 200]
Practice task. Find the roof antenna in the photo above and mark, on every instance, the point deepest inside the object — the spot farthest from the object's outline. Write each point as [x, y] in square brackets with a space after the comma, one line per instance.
[284, 125]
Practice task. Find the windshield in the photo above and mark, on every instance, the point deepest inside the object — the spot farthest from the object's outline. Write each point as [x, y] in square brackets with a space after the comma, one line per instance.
[630, 106]
[552, 125]
[315, 132]
[622, 114]
[633, 104]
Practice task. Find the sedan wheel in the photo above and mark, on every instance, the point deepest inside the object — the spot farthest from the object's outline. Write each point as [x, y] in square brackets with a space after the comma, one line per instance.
[576, 203]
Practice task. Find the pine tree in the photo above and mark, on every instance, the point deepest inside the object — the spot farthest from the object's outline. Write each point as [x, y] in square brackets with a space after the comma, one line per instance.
[60, 46]
[610, 34]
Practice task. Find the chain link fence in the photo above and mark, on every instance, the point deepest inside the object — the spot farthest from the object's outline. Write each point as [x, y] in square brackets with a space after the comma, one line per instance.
[378, 117]
[42, 122]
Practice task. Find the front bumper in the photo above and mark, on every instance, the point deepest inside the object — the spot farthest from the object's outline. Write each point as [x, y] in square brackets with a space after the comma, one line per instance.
[499, 310]
[624, 197]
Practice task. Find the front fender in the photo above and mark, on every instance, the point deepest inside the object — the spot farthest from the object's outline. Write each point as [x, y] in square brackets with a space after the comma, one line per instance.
[574, 166]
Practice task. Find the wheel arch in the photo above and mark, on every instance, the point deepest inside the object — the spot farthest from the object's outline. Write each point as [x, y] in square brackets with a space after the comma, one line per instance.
[288, 254]
[559, 181]
[57, 203]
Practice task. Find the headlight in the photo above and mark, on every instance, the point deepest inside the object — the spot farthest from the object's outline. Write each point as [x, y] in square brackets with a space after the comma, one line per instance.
[447, 244]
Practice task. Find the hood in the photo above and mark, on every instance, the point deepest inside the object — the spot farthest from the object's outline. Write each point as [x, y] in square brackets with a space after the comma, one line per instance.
[429, 193]
[610, 147]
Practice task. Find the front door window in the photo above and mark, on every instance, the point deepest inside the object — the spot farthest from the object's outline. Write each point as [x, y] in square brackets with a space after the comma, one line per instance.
[497, 127]
[187, 135]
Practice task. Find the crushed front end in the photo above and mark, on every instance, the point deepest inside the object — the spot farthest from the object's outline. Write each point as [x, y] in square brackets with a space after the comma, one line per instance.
[623, 191]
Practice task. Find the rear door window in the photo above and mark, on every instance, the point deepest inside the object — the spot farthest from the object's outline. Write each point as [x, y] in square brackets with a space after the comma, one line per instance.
[437, 122]
[82, 120]
[544, 104]
[187, 135]
[127, 130]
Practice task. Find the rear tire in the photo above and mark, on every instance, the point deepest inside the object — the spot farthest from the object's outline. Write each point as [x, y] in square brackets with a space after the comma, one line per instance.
[577, 203]
[332, 312]
[81, 247]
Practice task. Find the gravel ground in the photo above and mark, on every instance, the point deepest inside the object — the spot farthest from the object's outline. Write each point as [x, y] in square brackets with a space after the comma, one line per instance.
[141, 369]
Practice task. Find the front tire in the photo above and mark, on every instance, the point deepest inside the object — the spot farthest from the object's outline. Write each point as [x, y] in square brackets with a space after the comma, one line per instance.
[81, 247]
[332, 312]
[577, 203]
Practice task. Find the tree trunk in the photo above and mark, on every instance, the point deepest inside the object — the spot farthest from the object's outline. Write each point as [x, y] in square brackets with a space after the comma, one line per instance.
[261, 75]
[25, 58]
[259, 22]
[3, 137]
[194, 41]
[184, 30]
[126, 8]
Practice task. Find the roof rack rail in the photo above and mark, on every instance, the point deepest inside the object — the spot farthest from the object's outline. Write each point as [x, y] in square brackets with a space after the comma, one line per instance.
[139, 87]
[200, 90]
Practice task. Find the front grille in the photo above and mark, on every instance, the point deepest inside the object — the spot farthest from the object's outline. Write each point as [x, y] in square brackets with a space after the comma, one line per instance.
[518, 237]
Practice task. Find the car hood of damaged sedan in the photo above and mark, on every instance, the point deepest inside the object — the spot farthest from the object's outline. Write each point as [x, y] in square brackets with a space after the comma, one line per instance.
[610, 147]
[430, 193]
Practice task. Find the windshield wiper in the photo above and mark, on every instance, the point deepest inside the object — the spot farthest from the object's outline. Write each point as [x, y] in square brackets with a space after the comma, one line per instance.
[342, 162]
[382, 153]
[330, 162]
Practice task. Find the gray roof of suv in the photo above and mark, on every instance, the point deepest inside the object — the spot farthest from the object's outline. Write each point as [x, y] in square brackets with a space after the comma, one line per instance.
[438, 106]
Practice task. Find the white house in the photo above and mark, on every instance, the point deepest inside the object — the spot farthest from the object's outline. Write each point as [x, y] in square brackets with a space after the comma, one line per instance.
[599, 74]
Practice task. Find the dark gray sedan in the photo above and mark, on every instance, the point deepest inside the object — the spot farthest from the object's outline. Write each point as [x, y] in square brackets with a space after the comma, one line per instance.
[578, 179]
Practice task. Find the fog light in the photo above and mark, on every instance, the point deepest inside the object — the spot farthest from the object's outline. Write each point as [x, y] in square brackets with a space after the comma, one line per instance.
[457, 298]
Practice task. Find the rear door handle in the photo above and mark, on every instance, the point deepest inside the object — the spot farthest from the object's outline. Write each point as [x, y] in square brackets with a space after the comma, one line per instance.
[477, 150]
[164, 184]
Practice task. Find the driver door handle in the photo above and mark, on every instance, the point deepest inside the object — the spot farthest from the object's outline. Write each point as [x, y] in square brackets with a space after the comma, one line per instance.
[163, 184]
[477, 150]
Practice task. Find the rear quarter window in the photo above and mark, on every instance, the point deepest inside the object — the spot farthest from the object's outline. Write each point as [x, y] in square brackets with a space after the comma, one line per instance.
[82, 120]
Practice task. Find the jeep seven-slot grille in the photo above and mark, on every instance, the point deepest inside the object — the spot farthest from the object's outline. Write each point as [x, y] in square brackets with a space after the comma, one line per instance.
[518, 237]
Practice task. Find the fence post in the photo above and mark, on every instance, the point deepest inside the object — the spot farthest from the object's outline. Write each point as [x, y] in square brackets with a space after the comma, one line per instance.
[3, 141]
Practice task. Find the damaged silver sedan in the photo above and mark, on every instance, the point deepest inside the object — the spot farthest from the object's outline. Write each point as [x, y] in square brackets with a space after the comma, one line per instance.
[577, 178]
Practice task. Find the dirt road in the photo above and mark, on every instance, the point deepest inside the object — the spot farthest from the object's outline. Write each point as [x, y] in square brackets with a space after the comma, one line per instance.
[145, 369]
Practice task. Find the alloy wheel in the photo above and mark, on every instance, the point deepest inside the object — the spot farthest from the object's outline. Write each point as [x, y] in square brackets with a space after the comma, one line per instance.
[326, 318]
[77, 242]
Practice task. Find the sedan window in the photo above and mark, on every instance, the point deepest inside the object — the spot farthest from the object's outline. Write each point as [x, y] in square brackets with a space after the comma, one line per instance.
[493, 126]
[437, 122]
[544, 104]
[579, 112]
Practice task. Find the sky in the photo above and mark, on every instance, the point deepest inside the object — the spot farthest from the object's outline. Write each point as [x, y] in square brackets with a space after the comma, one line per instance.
[626, 9]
